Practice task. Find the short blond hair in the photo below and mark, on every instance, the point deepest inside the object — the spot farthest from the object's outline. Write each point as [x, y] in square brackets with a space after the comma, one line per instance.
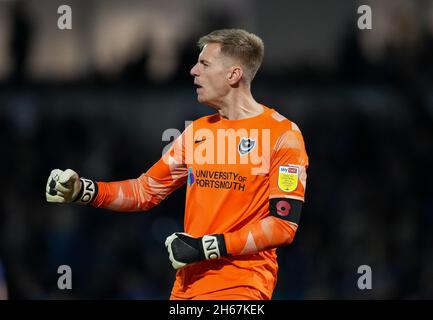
[244, 46]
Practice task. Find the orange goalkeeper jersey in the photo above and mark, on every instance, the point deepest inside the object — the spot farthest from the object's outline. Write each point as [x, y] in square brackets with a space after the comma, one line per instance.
[232, 169]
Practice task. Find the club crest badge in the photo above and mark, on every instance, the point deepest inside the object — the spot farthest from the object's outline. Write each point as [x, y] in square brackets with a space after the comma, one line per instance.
[246, 145]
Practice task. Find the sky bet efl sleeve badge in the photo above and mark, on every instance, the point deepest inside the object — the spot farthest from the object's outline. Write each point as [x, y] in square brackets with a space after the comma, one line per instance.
[288, 178]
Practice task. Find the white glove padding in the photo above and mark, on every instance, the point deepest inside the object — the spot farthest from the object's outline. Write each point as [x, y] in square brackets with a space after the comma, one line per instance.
[66, 186]
[175, 262]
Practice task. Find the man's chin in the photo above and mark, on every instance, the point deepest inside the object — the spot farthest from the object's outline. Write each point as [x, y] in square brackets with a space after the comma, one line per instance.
[207, 102]
[202, 100]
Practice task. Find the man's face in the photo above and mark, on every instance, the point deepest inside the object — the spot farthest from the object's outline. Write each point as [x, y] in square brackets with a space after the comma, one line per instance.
[211, 74]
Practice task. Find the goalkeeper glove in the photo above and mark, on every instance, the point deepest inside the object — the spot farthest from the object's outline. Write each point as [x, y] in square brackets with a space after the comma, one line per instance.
[66, 186]
[184, 249]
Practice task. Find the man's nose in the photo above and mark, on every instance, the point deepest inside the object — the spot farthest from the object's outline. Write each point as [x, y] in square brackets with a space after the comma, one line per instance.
[193, 71]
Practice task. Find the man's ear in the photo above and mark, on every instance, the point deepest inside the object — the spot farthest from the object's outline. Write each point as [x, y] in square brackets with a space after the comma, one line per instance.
[235, 75]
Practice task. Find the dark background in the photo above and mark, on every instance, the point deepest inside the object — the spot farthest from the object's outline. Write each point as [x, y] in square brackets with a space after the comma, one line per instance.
[98, 98]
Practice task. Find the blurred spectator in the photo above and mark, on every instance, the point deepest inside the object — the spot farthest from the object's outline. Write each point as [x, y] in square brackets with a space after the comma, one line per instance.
[389, 49]
[3, 284]
[20, 40]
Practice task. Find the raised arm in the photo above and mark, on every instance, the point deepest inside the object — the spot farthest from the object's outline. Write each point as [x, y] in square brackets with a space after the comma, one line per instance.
[139, 194]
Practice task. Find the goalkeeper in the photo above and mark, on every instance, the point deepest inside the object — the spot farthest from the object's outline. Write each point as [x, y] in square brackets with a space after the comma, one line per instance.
[238, 211]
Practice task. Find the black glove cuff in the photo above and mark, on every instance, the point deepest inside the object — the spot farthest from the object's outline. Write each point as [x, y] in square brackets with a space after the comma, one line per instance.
[213, 246]
[88, 191]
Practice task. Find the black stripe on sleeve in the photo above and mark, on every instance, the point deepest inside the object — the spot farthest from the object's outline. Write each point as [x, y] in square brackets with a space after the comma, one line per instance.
[286, 209]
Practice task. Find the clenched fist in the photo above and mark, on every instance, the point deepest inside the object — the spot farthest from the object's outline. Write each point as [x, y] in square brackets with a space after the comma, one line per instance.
[66, 186]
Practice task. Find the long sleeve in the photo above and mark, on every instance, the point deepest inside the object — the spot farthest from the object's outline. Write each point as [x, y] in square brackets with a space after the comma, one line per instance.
[268, 233]
[148, 190]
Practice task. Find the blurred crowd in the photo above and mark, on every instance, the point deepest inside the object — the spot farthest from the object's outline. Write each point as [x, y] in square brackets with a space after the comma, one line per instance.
[367, 125]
